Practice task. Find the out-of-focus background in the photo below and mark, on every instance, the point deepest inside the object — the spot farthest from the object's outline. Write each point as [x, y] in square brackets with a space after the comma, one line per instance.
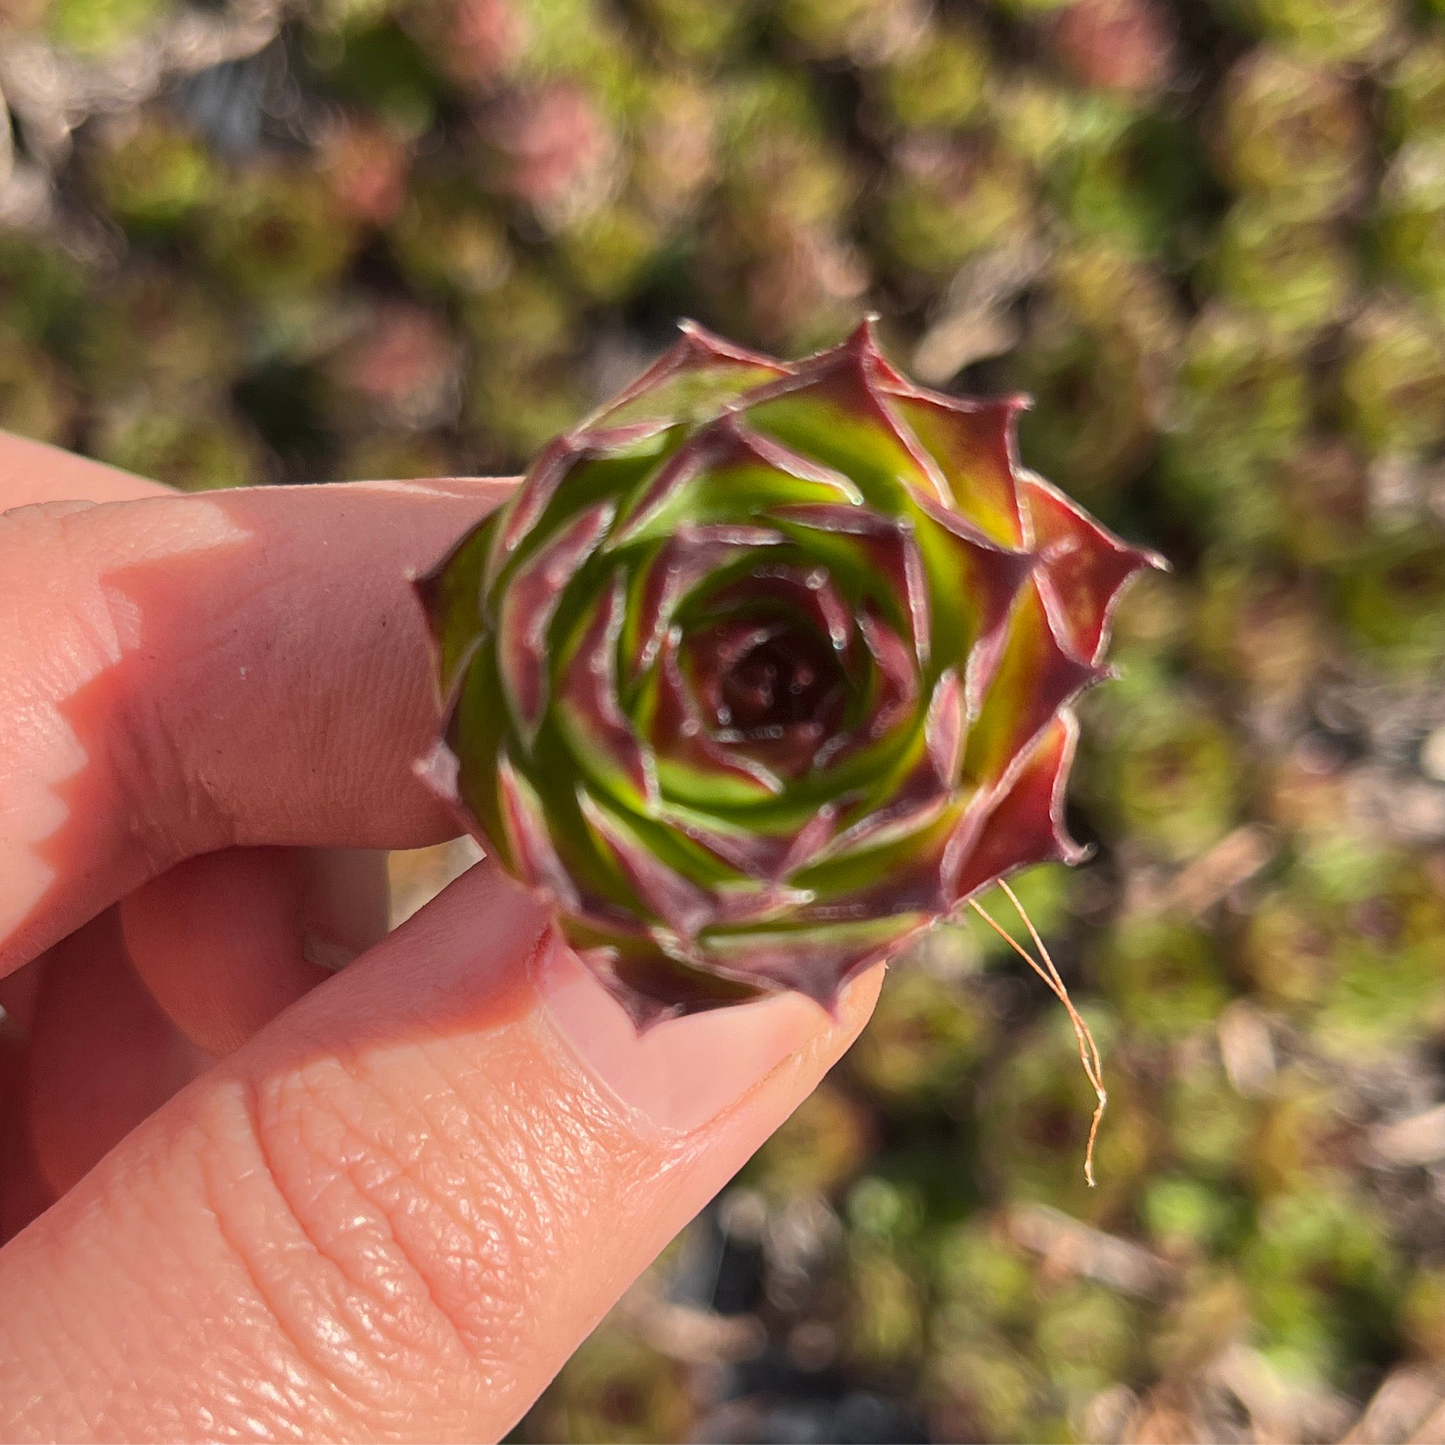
[263, 241]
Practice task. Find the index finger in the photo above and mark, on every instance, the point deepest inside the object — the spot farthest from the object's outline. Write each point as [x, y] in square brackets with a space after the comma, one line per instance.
[185, 673]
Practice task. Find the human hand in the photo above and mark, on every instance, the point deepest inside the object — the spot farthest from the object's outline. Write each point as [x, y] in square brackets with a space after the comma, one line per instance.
[267, 1201]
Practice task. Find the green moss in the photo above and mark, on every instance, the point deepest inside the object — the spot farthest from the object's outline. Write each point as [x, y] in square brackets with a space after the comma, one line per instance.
[1163, 976]
[1324, 1283]
[94, 27]
[924, 1044]
[155, 175]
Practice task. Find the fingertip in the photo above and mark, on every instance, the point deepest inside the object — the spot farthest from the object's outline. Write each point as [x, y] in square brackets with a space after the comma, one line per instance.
[681, 1074]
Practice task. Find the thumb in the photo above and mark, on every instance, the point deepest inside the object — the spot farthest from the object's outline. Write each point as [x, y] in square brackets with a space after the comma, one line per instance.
[397, 1210]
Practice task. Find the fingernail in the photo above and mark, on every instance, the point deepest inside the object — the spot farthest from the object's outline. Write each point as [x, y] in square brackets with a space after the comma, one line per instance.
[327, 953]
[345, 903]
[683, 1073]
[53, 509]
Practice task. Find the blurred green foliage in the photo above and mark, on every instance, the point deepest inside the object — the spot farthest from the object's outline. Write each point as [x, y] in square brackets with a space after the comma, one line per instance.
[410, 237]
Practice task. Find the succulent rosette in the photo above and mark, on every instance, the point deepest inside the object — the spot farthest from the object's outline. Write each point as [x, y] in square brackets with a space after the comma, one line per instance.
[766, 667]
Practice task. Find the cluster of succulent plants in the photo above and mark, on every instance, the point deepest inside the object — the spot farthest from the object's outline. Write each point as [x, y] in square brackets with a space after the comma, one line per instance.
[398, 237]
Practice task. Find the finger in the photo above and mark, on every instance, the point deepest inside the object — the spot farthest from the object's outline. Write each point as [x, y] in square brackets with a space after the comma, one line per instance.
[183, 674]
[32, 471]
[19, 990]
[102, 1056]
[16, 1167]
[415, 1193]
[24, 1194]
[225, 941]
[12, 1078]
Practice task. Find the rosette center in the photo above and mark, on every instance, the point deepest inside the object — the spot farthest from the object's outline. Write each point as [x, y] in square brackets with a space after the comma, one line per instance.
[776, 676]
[771, 688]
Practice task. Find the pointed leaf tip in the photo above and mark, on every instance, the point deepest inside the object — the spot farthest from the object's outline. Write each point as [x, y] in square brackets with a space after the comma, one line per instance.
[1024, 822]
[863, 343]
[1085, 567]
[706, 345]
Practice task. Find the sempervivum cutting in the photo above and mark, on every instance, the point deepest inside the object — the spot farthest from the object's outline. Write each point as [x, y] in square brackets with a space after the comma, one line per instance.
[766, 667]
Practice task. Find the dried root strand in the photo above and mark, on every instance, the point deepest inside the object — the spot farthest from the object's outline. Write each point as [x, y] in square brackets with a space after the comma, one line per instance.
[1089, 1054]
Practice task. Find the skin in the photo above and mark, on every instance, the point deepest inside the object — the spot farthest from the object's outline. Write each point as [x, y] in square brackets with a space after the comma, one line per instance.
[243, 1196]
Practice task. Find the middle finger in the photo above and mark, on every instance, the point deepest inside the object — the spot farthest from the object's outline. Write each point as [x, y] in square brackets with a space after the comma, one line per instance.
[101, 1055]
[226, 941]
